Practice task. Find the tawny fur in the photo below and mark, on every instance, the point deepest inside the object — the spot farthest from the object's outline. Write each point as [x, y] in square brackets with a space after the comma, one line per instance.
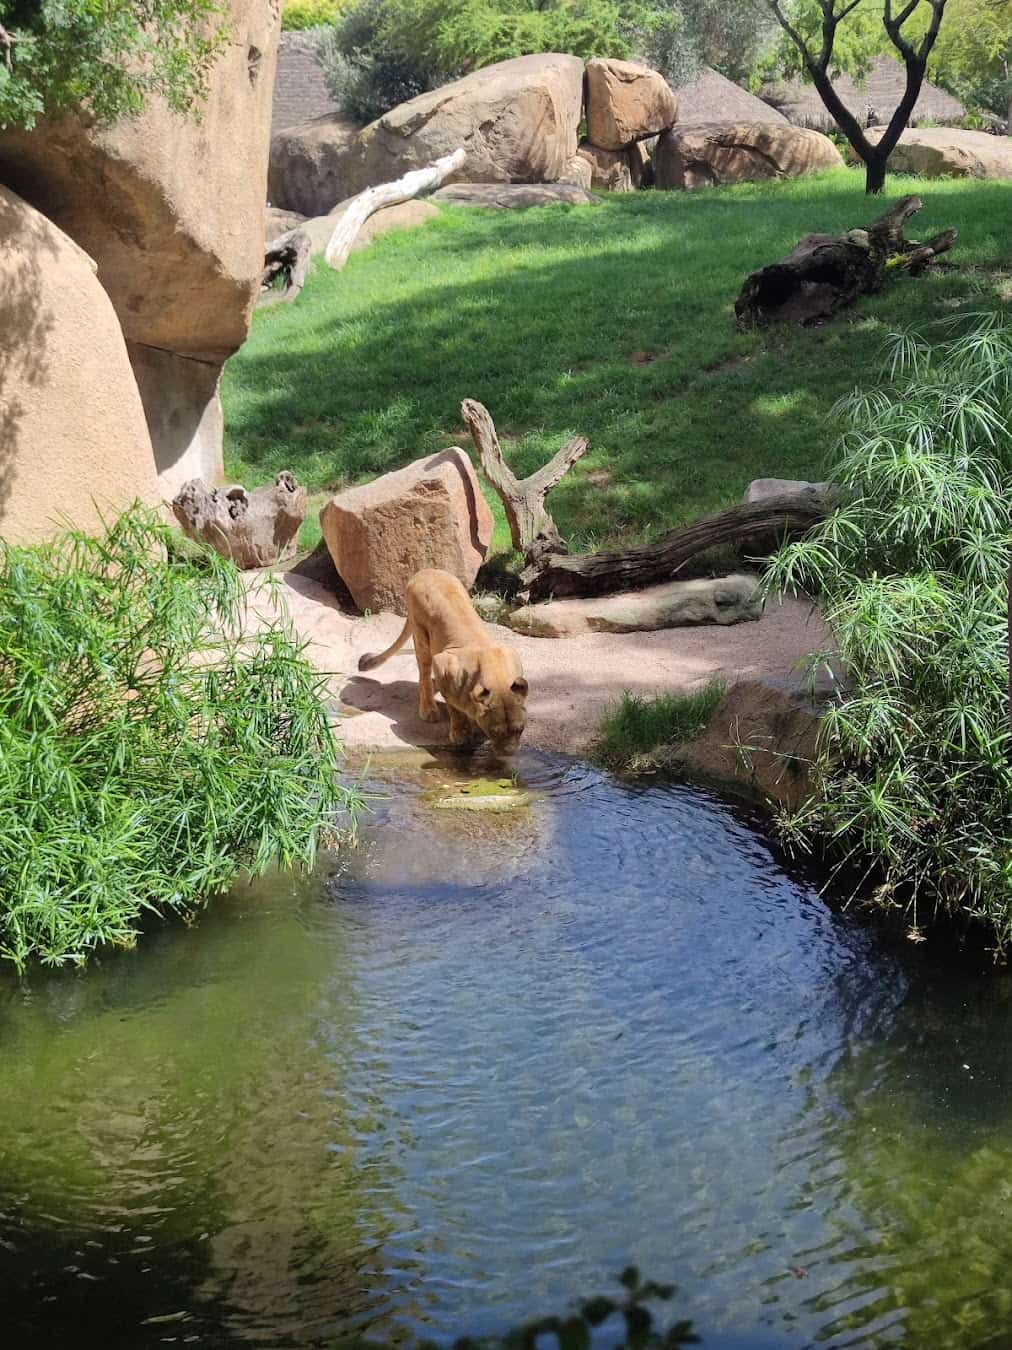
[481, 681]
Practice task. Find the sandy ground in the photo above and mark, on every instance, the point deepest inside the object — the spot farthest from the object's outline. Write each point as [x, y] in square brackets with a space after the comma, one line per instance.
[572, 680]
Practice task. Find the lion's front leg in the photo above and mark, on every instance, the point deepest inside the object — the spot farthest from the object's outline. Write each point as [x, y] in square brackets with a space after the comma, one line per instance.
[462, 729]
[428, 710]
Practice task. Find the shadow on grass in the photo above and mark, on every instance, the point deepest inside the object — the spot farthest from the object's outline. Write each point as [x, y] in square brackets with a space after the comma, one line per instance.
[613, 321]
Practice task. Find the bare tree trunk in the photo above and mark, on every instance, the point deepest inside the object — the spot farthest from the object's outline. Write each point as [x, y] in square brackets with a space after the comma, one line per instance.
[532, 529]
[875, 173]
[373, 199]
[825, 272]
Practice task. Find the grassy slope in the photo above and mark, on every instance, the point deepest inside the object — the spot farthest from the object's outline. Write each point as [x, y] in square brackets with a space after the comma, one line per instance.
[614, 321]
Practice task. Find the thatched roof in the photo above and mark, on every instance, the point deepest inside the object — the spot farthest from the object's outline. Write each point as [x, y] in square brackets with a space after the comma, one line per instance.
[872, 101]
[712, 98]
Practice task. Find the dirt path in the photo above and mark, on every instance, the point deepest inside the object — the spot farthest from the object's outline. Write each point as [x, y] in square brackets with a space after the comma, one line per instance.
[572, 680]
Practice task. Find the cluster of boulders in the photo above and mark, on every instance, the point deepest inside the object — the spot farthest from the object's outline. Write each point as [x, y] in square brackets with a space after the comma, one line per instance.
[130, 260]
[519, 123]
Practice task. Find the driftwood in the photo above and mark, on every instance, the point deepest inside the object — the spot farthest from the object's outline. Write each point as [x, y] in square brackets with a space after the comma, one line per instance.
[825, 272]
[254, 529]
[750, 523]
[288, 257]
[532, 529]
[373, 199]
[551, 571]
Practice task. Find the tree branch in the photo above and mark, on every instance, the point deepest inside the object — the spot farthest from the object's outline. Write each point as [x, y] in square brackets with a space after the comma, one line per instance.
[8, 40]
[532, 530]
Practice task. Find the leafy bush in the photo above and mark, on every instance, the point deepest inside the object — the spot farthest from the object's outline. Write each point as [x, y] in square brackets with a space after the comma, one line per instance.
[635, 730]
[914, 772]
[107, 58]
[385, 51]
[148, 751]
[363, 75]
[300, 14]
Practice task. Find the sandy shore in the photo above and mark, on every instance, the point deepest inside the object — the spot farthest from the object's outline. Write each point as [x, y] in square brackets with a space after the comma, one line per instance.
[572, 680]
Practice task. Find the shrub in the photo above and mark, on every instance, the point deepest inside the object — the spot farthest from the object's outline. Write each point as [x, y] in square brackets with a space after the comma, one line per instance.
[299, 14]
[363, 77]
[636, 730]
[148, 751]
[383, 52]
[914, 775]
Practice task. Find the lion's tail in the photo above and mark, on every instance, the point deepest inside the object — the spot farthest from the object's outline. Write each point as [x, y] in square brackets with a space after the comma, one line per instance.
[373, 659]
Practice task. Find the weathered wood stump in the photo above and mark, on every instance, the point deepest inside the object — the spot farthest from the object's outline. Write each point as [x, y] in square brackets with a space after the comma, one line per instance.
[254, 529]
[287, 257]
[825, 272]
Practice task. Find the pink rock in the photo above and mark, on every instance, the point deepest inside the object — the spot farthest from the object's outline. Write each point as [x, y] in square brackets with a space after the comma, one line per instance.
[430, 514]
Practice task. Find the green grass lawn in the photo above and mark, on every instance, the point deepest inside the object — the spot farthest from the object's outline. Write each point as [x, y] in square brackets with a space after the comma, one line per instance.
[614, 321]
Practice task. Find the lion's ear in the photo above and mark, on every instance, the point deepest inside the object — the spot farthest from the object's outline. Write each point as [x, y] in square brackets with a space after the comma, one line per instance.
[479, 693]
[519, 687]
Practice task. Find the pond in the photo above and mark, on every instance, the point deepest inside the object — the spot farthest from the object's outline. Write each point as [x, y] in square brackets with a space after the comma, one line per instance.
[466, 1073]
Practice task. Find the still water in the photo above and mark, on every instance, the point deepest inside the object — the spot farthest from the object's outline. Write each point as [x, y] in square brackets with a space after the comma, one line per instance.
[466, 1073]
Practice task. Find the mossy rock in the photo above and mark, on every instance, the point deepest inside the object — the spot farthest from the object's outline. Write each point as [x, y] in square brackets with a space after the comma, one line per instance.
[480, 794]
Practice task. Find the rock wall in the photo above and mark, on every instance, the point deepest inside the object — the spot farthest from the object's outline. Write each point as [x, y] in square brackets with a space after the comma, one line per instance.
[299, 90]
[171, 209]
[73, 437]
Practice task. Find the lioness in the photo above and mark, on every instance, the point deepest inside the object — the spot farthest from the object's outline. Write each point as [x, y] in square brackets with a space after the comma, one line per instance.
[481, 680]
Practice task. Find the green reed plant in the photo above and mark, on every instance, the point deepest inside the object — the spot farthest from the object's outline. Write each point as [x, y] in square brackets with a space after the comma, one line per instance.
[914, 773]
[636, 733]
[149, 750]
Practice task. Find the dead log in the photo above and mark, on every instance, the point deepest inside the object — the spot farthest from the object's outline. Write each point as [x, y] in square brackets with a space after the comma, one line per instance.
[254, 529]
[287, 257]
[532, 529]
[825, 272]
[751, 522]
[402, 189]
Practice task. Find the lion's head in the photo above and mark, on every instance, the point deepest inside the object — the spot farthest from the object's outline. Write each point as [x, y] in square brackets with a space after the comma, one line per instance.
[488, 685]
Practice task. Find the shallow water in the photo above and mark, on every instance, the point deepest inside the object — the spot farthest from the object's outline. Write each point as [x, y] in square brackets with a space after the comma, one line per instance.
[469, 1072]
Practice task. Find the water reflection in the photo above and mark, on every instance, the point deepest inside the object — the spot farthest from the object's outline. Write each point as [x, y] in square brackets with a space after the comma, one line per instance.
[471, 1072]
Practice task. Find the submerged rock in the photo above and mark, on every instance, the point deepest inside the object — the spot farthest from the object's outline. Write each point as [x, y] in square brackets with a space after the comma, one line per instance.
[481, 794]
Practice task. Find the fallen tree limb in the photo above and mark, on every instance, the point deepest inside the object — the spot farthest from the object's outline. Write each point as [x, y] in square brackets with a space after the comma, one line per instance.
[750, 523]
[373, 199]
[825, 272]
[532, 529]
[289, 257]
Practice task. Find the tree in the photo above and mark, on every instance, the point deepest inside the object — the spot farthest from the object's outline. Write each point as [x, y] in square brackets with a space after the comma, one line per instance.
[382, 52]
[104, 57]
[973, 55]
[683, 35]
[820, 20]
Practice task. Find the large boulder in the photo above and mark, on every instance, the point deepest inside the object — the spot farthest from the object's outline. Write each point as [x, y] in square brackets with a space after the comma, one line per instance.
[517, 120]
[948, 152]
[674, 604]
[514, 196]
[401, 216]
[171, 207]
[73, 439]
[430, 514]
[609, 169]
[711, 154]
[626, 103]
[310, 165]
